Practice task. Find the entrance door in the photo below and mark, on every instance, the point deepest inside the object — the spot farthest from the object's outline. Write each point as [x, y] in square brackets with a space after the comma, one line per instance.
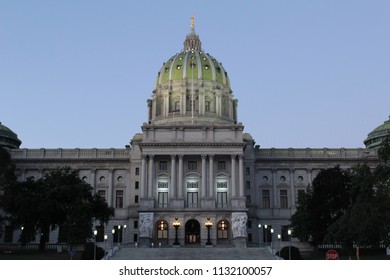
[192, 231]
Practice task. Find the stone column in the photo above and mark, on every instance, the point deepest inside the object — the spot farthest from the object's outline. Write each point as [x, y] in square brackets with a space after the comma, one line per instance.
[180, 185]
[274, 194]
[173, 176]
[110, 181]
[203, 189]
[151, 174]
[211, 176]
[143, 177]
[234, 181]
[241, 175]
[292, 204]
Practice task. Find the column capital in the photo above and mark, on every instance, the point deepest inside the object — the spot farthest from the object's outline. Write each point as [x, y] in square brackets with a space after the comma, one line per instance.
[180, 156]
[173, 156]
[233, 156]
[203, 156]
[151, 156]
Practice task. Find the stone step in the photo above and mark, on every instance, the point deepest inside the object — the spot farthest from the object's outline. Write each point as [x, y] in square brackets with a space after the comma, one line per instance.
[202, 253]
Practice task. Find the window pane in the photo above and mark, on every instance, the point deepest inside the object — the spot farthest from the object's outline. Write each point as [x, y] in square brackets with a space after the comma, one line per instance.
[283, 199]
[265, 199]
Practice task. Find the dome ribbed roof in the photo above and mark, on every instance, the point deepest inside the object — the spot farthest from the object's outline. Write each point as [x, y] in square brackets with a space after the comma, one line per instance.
[192, 87]
[192, 63]
[8, 138]
[376, 136]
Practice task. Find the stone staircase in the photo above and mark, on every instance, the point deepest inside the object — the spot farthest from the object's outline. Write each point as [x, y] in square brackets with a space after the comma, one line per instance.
[200, 253]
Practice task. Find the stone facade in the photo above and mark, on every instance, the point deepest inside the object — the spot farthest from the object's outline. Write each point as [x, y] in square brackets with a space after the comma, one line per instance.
[192, 164]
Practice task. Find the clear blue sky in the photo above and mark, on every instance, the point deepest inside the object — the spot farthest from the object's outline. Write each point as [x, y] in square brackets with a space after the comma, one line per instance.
[306, 73]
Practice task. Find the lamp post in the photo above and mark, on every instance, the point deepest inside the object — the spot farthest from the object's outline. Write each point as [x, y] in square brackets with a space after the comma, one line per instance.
[94, 244]
[119, 235]
[208, 225]
[124, 227]
[176, 225]
[289, 244]
[105, 242]
[113, 232]
[265, 231]
[279, 237]
[259, 226]
[272, 232]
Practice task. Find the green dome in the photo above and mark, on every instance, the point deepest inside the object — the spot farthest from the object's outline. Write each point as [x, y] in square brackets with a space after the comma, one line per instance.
[8, 138]
[376, 137]
[192, 64]
[192, 87]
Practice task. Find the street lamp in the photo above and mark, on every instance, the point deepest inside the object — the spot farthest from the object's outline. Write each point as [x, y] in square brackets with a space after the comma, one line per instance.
[272, 232]
[119, 235]
[124, 227]
[259, 226]
[113, 232]
[208, 224]
[289, 245]
[105, 242]
[94, 244]
[266, 240]
[176, 225]
[279, 237]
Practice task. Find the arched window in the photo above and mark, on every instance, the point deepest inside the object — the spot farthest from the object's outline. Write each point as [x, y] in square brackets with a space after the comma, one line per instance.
[162, 229]
[223, 230]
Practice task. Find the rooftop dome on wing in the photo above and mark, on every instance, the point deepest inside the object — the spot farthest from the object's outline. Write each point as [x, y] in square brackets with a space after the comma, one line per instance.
[376, 137]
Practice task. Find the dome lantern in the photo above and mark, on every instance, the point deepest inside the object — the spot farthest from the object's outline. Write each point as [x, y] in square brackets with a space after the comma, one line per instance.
[376, 137]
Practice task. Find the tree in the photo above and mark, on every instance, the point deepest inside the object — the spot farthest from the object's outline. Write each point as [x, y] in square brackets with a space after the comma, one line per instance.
[367, 219]
[7, 176]
[59, 200]
[323, 204]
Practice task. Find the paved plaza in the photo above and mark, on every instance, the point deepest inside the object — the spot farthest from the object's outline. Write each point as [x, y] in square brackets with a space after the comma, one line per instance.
[201, 253]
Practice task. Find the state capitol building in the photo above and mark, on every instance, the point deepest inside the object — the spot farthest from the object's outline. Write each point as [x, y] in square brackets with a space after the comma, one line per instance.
[192, 164]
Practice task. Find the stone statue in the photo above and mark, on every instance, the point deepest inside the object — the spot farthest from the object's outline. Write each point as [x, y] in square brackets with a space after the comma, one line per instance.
[146, 224]
[239, 220]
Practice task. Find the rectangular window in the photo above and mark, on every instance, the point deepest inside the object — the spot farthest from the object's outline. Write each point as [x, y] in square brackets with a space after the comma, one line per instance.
[284, 231]
[221, 199]
[221, 185]
[248, 185]
[192, 199]
[102, 193]
[136, 200]
[119, 199]
[249, 237]
[247, 171]
[283, 199]
[265, 199]
[221, 165]
[163, 165]
[267, 236]
[300, 194]
[100, 234]
[192, 165]
[136, 185]
[162, 185]
[192, 185]
[249, 224]
[135, 237]
[163, 199]
[248, 199]
[135, 225]
[137, 171]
